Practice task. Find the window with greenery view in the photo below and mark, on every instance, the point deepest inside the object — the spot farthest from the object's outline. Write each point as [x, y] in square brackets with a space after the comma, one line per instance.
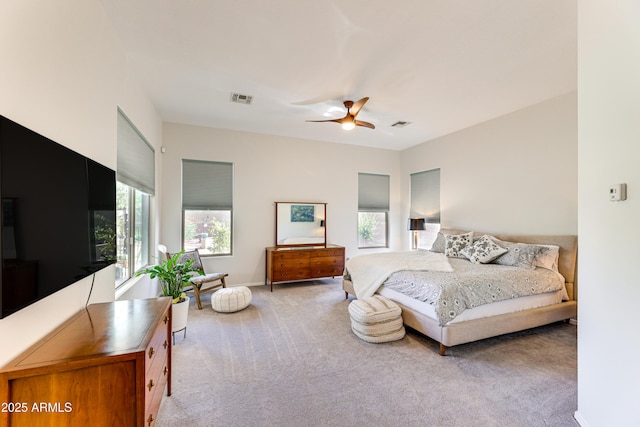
[132, 227]
[208, 231]
[372, 229]
[373, 209]
[207, 207]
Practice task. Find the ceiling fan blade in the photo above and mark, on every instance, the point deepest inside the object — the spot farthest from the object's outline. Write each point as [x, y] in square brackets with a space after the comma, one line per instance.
[330, 97]
[357, 106]
[322, 121]
[365, 124]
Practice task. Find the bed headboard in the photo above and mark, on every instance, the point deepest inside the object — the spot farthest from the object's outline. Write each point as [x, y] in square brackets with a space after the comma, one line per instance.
[567, 260]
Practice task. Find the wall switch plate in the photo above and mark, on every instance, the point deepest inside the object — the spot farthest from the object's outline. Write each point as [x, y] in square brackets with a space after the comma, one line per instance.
[618, 192]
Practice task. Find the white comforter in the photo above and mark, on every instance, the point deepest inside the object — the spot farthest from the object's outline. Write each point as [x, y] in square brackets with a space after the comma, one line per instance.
[368, 272]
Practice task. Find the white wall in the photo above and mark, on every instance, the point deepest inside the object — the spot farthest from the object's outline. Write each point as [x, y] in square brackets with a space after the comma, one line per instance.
[513, 174]
[269, 169]
[63, 75]
[608, 153]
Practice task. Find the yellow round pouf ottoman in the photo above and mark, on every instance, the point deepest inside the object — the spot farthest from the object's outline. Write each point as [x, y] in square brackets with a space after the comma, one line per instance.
[229, 300]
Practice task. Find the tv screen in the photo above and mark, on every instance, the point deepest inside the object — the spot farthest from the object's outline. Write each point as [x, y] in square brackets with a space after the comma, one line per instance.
[58, 216]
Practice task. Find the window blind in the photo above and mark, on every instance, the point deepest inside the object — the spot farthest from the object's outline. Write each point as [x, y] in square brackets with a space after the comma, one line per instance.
[373, 192]
[207, 185]
[136, 164]
[425, 195]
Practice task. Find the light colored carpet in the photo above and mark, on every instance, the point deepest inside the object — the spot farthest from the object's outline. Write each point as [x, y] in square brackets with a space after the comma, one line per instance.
[290, 359]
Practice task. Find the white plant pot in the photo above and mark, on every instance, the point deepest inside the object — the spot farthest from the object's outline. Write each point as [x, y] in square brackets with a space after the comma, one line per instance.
[180, 312]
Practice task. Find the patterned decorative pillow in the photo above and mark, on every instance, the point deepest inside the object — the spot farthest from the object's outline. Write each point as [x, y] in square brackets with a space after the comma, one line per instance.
[519, 254]
[191, 255]
[455, 243]
[483, 250]
[438, 244]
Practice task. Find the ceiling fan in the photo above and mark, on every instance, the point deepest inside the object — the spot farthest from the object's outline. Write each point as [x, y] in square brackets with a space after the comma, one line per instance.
[349, 121]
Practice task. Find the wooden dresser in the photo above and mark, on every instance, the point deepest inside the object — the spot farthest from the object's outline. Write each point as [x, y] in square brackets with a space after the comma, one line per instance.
[106, 366]
[301, 263]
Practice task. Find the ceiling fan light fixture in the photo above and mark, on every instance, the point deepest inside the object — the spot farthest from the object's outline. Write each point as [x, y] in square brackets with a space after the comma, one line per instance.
[349, 121]
[348, 124]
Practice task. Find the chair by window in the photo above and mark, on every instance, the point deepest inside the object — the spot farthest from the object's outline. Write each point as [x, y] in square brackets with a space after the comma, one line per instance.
[199, 284]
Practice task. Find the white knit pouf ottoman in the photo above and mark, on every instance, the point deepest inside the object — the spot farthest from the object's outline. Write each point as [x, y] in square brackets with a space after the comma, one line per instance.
[376, 319]
[228, 300]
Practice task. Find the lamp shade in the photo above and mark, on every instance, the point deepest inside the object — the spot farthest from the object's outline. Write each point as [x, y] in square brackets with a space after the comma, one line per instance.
[415, 224]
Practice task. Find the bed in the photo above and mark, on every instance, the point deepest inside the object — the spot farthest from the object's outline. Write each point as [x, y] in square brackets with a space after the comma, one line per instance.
[485, 320]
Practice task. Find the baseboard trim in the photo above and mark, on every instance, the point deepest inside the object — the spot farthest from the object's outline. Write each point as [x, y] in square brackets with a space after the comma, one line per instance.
[580, 420]
[251, 284]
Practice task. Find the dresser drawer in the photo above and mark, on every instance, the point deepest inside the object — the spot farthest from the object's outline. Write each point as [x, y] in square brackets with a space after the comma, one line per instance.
[290, 255]
[287, 275]
[293, 264]
[328, 252]
[158, 347]
[151, 412]
[156, 373]
[326, 271]
[155, 383]
[326, 262]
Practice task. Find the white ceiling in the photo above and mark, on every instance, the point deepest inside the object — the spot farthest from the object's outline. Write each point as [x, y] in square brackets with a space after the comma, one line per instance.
[442, 65]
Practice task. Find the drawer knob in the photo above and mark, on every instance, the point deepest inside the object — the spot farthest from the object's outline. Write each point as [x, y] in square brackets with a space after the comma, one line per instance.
[166, 344]
[151, 352]
[166, 319]
[150, 385]
[281, 265]
[165, 370]
[150, 420]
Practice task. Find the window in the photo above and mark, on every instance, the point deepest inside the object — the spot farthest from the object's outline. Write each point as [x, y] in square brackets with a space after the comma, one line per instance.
[134, 189]
[207, 207]
[373, 210]
[132, 231]
[425, 203]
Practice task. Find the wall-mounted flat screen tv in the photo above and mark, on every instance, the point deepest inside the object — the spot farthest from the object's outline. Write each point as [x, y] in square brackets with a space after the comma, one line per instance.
[58, 216]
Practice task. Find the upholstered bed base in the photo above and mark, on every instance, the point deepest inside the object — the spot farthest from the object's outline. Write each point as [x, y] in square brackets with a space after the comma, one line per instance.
[477, 329]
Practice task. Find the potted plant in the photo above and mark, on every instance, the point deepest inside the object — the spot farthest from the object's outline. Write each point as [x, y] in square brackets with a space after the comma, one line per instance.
[174, 275]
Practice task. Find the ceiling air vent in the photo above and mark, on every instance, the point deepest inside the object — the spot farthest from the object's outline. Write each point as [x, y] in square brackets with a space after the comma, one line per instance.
[241, 99]
[400, 124]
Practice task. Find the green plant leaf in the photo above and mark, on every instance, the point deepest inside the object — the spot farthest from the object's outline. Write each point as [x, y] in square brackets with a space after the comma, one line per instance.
[173, 274]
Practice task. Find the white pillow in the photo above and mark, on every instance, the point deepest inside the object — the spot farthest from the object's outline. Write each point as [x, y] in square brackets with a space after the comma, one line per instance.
[483, 250]
[454, 244]
[518, 254]
[548, 258]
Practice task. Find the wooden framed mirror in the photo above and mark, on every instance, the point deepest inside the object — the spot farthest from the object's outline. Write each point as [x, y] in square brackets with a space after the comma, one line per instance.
[301, 224]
